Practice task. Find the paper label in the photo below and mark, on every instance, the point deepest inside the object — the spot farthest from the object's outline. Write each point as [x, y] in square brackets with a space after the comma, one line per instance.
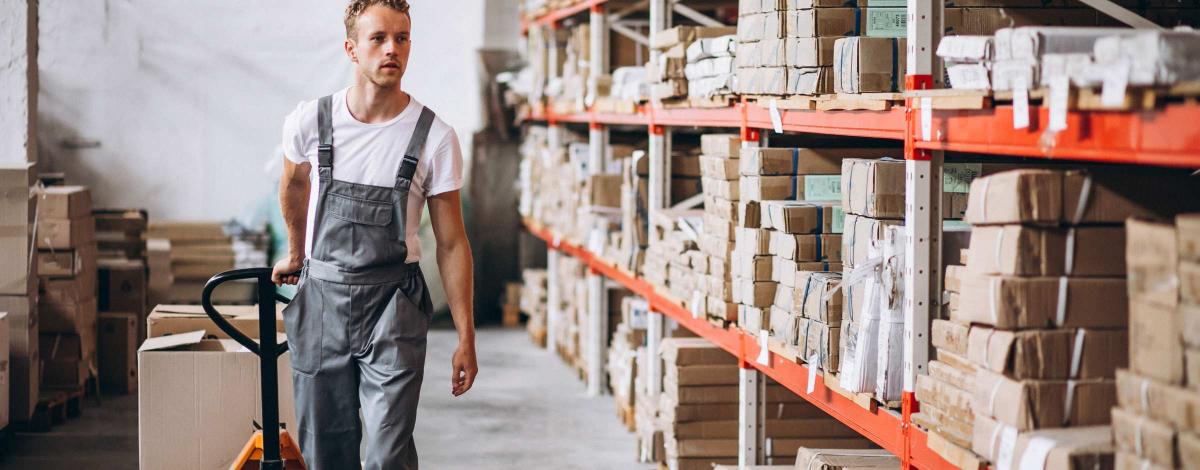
[957, 177]
[814, 365]
[823, 187]
[1116, 80]
[926, 119]
[764, 349]
[1060, 90]
[1020, 105]
[838, 225]
[697, 299]
[776, 118]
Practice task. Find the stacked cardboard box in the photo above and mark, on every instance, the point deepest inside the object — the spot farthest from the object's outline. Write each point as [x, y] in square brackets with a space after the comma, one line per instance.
[200, 250]
[844, 459]
[668, 76]
[1157, 424]
[628, 337]
[67, 307]
[945, 392]
[719, 169]
[533, 303]
[698, 411]
[634, 215]
[19, 289]
[710, 69]
[674, 261]
[121, 233]
[572, 310]
[868, 65]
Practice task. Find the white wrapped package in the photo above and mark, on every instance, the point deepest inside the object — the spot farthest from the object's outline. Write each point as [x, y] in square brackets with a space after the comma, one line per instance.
[889, 368]
[972, 49]
[969, 76]
[1153, 57]
[721, 46]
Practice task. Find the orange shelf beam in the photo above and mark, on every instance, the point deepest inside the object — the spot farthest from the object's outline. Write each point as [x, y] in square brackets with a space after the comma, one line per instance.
[554, 16]
[885, 428]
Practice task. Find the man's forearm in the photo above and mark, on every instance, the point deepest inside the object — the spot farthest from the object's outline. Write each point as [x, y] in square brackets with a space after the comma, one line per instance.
[293, 202]
[458, 279]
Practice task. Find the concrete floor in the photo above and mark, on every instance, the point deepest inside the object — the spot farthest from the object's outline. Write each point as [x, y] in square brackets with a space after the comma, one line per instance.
[527, 411]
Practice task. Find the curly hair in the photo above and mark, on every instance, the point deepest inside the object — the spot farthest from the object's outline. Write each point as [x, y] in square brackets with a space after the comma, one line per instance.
[357, 7]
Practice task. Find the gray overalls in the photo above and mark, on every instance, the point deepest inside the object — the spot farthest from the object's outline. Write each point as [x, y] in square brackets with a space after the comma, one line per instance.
[356, 328]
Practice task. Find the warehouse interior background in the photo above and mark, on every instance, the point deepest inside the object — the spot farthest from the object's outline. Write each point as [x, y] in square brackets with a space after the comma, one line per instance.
[707, 234]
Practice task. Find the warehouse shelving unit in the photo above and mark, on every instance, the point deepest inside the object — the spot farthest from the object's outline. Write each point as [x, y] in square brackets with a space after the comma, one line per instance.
[1165, 136]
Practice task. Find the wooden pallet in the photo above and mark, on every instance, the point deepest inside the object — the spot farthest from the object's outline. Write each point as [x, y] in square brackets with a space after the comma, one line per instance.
[789, 103]
[719, 101]
[860, 101]
[54, 407]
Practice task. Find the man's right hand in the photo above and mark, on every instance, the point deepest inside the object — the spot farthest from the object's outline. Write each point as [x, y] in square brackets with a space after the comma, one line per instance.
[287, 271]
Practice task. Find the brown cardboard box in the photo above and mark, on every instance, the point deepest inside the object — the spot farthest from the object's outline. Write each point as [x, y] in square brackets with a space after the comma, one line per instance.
[762, 188]
[1073, 448]
[603, 190]
[5, 378]
[1128, 461]
[749, 214]
[167, 320]
[1189, 282]
[822, 341]
[1177, 406]
[78, 317]
[1038, 404]
[61, 234]
[117, 349]
[873, 188]
[1152, 257]
[17, 212]
[809, 52]
[806, 247]
[753, 241]
[1051, 197]
[935, 420]
[1192, 363]
[64, 202]
[784, 449]
[70, 290]
[757, 293]
[122, 286]
[23, 344]
[858, 234]
[64, 263]
[694, 351]
[1188, 226]
[686, 34]
[1034, 251]
[720, 145]
[703, 374]
[763, 161]
[1189, 449]
[811, 458]
[954, 278]
[949, 336]
[219, 382]
[953, 401]
[66, 360]
[1008, 302]
[869, 65]
[720, 198]
[1049, 354]
[819, 22]
[720, 168]
[944, 372]
[802, 216]
[1146, 438]
[816, 296]
[1156, 346]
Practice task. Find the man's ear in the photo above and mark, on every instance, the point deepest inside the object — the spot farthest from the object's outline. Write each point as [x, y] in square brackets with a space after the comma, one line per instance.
[351, 50]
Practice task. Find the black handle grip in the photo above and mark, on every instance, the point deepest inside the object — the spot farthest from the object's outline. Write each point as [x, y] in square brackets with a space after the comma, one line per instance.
[263, 275]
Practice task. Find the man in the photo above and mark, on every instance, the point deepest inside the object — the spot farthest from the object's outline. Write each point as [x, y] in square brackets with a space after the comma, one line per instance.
[357, 325]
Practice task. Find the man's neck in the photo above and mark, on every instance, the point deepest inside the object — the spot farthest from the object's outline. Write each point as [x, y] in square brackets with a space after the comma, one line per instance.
[370, 104]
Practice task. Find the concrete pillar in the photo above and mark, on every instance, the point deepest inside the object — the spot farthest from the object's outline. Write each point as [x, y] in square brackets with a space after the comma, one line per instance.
[18, 80]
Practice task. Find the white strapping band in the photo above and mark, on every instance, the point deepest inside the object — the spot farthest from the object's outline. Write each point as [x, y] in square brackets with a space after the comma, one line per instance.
[993, 298]
[1138, 448]
[983, 201]
[992, 398]
[1077, 353]
[1085, 194]
[1061, 315]
[1070, 257]
[1070, 402]
[1145, 389]
[1000, 248]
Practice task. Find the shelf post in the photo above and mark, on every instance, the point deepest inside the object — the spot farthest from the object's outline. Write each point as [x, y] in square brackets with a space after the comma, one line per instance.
[553, 297]
[654, 335]
[597, 333]
[751, 416]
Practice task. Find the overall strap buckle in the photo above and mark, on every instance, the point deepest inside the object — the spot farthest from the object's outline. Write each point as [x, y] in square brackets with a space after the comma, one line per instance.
[325, 131]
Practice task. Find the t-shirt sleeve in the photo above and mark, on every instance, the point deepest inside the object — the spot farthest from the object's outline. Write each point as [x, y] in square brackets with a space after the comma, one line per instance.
[294, 144]
[446, 167]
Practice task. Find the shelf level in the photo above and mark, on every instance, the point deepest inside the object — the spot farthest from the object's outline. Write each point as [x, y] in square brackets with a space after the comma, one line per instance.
[885, 428]
[552, 17]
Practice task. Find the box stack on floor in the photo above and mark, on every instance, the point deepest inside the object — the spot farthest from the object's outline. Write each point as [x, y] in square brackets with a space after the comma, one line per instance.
[67, 306]
[123, 296]
[668, 77]
[1157, 423]
[572, 310]
[19, 293]
[533, 303]
[622, 364]
[698, 412]
[198, 251]
[719, 169]
[1047, 309]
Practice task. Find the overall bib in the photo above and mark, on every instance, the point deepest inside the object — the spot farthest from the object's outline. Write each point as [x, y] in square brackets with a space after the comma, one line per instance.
[356, 328]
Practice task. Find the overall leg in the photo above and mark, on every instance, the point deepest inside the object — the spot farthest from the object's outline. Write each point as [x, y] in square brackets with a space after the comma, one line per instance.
[324, 376]
[391, 368]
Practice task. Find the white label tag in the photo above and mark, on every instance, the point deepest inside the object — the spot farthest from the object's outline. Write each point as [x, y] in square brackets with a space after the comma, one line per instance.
[697, 299]
[1116, 80]
[557, 241]
[1020, 106]
[814, 366]
[776, 118]
[926, 119]
[764, 349]
[1060, 91]
[1004, 454]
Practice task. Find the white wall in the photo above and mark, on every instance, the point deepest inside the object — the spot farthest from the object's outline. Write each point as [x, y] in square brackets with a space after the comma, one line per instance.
[18, 81]
[176, 105]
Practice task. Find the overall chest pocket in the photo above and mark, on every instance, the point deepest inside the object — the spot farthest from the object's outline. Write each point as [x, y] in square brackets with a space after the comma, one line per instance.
[360, 211]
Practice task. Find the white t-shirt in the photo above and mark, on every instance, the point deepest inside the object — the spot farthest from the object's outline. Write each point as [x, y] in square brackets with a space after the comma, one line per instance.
[371, 154]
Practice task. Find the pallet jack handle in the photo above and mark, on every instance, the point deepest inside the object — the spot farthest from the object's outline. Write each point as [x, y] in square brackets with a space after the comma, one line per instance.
[267, 348]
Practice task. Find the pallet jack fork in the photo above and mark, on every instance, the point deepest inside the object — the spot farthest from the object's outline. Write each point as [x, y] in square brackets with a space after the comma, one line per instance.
[270, 448]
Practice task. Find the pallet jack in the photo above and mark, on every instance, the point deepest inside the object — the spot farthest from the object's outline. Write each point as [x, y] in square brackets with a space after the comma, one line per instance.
[270, 447]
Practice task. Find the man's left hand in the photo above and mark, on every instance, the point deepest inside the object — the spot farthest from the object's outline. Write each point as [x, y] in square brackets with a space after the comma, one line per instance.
[464, 368]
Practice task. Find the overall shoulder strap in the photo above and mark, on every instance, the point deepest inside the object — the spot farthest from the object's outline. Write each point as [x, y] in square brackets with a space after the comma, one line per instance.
[416, 146]
[325, 131]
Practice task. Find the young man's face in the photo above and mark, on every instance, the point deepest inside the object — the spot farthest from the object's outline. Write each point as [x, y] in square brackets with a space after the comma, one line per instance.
[380, 45]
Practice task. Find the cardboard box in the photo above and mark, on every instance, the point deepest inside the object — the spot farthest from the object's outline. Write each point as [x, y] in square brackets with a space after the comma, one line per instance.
[122, 286]
[1152, 257]
[824, 22]
[952, 401]
[763, 161]
[65, 234]
[1189, 449]
[860, 232]
[721, 145]
[603, 190]
[817, 296]
[1156, 346]
[1070, 448]
[1006, 302]
[64, 263]
[950, 374]
[1189, 235]
[803, 216]
[1053, 197]
[727, 192]
[694, 351]
[17, 212]
[64, 202]
[873, 188]
[1049, 354]
[749, 214]
[753, 242]
[821, 341]
[1042, 251]
[869, 65]
[1146, 438]
[167, 320]
[885, 22]
[807, 247]
[204, 374]
[5, 372]
[719, 168]
[949, 336]
[78, 317]
[806, 187]
[845, 459]
[686, 34]
[24, 354]
[1189, 282]
[117, 349]
[1039, 404]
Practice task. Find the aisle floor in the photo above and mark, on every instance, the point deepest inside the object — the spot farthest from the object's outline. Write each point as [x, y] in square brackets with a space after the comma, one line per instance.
[528, 410]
